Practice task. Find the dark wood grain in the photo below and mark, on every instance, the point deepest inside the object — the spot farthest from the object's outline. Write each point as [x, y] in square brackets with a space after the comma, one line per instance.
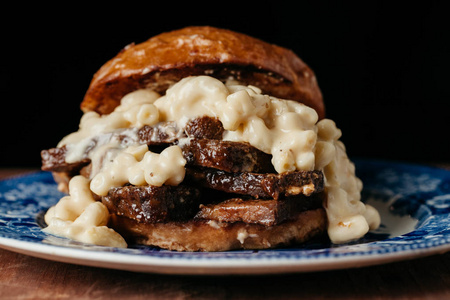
[26, 277]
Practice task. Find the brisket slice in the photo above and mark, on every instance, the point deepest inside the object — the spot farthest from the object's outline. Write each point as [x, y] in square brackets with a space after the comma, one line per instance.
[226, 156]
[54, 160]
[152, 204]
[259, 185]
[158, 137]
[168, 133]
[164, 133]
[263, 212]
[205, 128]
[222, 155]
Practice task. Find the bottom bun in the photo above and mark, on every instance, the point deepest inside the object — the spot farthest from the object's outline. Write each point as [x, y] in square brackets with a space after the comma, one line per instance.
[200, 235]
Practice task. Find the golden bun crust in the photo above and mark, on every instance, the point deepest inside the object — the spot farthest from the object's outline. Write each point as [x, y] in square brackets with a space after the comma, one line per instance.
[203, 236]
[168, 57]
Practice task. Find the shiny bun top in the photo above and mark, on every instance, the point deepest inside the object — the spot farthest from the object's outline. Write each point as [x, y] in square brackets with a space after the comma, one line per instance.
[168, 57]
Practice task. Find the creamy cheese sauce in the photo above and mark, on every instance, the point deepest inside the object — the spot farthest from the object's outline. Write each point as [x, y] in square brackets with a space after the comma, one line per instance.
[81, 218]
[288, 130]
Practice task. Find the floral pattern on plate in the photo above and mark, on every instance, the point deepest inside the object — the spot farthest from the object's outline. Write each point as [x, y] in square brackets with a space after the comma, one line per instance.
[413, 200]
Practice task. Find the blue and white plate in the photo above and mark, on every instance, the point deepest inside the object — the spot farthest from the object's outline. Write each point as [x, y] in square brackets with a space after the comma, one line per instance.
[413, 200]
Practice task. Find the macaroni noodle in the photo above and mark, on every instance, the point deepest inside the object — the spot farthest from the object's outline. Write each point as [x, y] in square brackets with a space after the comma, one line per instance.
[288, 130]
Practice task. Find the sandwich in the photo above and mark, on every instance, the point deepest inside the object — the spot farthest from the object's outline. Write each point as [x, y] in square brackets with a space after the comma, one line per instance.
[205, 139]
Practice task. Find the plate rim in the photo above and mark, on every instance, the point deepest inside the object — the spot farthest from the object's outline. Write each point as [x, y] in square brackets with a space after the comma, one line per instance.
[223, 265]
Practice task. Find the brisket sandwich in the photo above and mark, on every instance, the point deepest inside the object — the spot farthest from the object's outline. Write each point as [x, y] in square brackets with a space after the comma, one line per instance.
[204, 139]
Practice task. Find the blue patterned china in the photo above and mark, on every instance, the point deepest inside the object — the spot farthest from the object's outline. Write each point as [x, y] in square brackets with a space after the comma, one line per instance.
[413, 201]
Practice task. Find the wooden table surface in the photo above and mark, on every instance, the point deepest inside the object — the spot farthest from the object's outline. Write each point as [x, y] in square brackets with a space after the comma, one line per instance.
[26, 277]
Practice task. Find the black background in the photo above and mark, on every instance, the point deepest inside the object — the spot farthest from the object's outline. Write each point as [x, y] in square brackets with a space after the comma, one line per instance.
[383, 68]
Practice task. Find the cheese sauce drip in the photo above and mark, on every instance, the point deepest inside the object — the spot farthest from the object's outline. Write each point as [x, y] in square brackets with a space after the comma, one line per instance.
[288, 130]
[81, 218]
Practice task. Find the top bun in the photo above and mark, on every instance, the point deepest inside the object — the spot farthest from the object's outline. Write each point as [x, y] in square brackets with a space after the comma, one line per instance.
[168, 57]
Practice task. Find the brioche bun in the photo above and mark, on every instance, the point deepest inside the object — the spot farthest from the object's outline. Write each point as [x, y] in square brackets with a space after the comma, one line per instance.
[194, 235]
[168, 57]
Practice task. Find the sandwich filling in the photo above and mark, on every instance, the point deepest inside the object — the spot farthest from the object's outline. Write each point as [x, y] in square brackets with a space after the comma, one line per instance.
[123, 149]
